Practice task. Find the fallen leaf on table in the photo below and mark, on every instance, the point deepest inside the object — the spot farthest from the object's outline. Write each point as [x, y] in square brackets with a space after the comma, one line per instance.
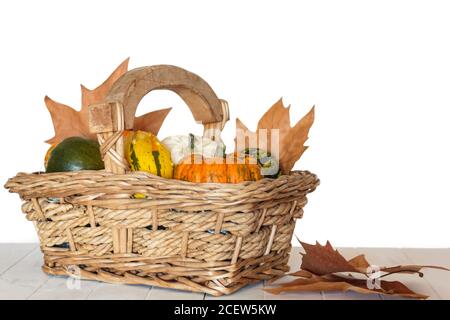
[291, 139]
[324, 269]
[322, 260]
[68, 122]
[409, 269]
[344, 284]
[360, 263]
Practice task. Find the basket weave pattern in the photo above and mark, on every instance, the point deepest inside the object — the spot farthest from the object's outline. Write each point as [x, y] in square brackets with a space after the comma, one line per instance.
[204, 237]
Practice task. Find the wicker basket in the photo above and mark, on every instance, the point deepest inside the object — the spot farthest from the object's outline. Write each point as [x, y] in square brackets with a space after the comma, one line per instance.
[212, 238]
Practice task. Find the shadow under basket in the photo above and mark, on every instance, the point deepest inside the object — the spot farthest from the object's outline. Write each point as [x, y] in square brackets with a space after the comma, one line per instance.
[204, 237]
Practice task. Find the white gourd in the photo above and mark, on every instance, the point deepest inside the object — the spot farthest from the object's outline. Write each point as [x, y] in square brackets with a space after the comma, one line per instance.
[181, 146]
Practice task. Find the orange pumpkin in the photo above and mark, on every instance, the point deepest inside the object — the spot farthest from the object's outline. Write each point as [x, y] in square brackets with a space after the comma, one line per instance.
[232, 169]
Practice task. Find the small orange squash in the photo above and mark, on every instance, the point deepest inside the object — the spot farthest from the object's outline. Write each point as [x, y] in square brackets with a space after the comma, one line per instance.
[230, 169]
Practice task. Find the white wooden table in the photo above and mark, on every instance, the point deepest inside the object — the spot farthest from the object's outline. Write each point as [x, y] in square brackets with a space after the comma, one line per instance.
[21, 278]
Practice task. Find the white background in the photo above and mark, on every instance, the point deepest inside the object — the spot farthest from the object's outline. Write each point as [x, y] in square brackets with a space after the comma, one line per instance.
[377, 71]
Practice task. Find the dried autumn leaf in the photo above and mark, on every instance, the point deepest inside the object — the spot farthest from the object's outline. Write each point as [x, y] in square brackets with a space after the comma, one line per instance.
[409, 269]
[68, 122]
[322, 260]
[321, 267]
[98, 94]
[344, 284]
[291, 139]
[360, 263]
[302, 273]
[151, 121]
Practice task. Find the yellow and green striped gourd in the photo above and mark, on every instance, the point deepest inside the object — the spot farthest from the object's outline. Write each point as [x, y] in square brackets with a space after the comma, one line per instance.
[144, 152]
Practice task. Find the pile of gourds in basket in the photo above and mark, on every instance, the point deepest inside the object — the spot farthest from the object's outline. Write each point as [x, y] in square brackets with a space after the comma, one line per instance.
[116, 203]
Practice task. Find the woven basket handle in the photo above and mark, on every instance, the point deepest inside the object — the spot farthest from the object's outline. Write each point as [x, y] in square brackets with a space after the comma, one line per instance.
[117, 113]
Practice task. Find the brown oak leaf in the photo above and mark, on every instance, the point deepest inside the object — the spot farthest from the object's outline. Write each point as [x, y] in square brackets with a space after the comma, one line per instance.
[291, 142]
[409, 269]
[323, 269]
[323, 260]
[360, 263]
[151, 121]
[344, 284]
[68, 122]
[98, 94]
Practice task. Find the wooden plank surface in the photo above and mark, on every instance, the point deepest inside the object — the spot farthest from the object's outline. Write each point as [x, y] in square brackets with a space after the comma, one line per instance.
[295, 260]
[252, 291]
[24, 278]
[393, 257]
[11, 253]
[169, 294]
[21, 278]
[63, 288]
[439, 280]
[108, 291]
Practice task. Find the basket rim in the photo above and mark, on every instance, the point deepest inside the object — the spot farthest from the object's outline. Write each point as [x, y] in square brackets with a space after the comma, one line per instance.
[87, 187]
[142, 174]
